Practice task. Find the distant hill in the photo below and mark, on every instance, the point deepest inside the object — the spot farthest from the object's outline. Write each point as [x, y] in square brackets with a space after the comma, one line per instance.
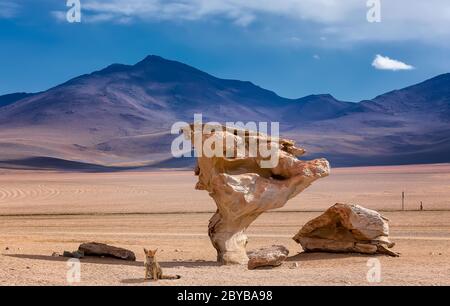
[121, 117]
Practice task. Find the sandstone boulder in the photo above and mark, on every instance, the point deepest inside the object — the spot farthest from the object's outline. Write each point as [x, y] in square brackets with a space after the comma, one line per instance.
[104, 250]
[347, 228]
[267, 257]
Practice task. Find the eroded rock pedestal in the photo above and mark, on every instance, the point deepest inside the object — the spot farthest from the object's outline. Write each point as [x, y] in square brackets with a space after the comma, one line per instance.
[345, 228]
[243, 187]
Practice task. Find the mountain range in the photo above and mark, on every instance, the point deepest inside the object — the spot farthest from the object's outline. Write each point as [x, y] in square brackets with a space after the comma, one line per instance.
[120, 118]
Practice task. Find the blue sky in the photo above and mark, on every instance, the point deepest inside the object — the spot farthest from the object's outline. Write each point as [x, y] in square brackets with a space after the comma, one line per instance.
[293, 47]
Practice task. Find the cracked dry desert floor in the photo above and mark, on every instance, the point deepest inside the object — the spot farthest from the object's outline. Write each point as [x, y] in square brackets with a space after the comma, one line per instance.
[45, 212]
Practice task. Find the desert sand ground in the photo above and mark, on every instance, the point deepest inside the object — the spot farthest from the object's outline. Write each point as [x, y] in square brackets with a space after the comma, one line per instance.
[42, 213]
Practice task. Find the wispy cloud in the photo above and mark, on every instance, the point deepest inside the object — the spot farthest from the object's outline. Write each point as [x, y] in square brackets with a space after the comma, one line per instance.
[335, 19]
[8, 9]
[238, 11]
[59, 15]
[385, 63]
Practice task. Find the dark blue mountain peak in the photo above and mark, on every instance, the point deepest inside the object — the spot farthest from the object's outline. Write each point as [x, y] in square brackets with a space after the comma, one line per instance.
[318, 97]
[153, 58]
[115, 68]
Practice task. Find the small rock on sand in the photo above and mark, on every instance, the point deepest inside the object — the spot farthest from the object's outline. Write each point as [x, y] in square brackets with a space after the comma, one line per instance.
[104, 250]
[76, 254]
[267, 257]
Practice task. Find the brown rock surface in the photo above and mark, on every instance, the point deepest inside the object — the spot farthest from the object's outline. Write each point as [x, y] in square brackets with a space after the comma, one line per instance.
[101, 249]
[244, 187]
[267, 257]
[347, 228]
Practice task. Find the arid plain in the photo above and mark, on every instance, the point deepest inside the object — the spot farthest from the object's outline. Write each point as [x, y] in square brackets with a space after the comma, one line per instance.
[46, 212]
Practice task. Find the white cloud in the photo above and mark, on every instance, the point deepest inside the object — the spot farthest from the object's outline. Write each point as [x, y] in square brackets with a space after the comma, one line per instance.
[335, 19]
[244, 20]
[59, 15]
[8, 9]
[385, 63]
[235, 10]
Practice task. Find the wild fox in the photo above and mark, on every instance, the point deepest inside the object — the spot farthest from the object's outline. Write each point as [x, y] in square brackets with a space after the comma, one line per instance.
[153, 269]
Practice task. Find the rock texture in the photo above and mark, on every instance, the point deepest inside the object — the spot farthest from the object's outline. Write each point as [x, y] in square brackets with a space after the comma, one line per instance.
[267, 257]
[347, 228]
[243, 187]
[100, 249]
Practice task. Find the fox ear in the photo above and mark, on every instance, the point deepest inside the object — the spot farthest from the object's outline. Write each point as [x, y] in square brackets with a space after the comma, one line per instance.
[154, 252]
[145, 251]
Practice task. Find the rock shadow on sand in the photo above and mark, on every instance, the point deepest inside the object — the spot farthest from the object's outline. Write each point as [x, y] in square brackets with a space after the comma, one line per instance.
[87, 259]
[136, 281]
[317, 256]
[111, 261]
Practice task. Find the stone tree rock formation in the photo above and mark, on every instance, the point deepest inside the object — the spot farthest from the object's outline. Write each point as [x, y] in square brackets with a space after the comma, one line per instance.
[246, 185]
[347, 228]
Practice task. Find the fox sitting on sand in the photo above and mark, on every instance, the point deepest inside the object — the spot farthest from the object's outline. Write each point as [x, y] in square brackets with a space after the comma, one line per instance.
[153, 269]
